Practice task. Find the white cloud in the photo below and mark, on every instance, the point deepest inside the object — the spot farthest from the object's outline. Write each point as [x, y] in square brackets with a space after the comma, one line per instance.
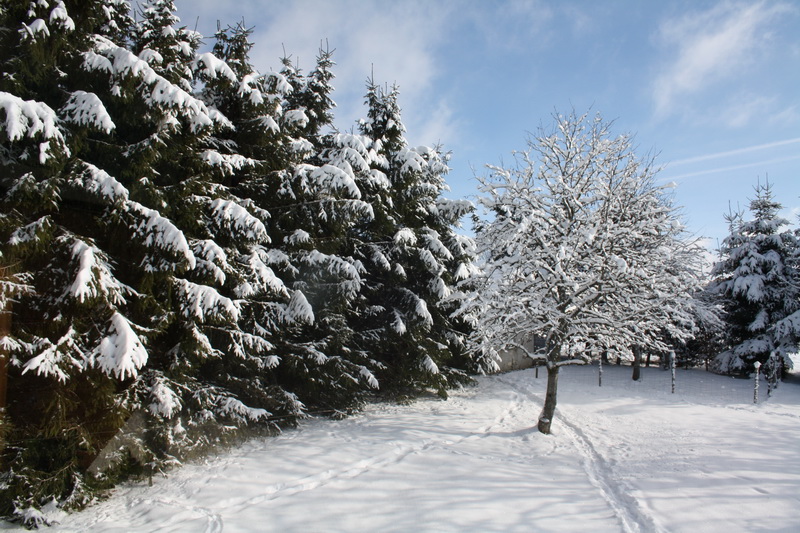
[396, 41]
[710, 47]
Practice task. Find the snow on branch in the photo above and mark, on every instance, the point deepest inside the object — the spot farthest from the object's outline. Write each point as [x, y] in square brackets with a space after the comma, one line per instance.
[31, 232]
[204, 303]
[332, 264]
[369, 377]
[298, 311]
[231, 215]
[259, 278]
[405, 236]
[429, 366]
[93, 278]
[60, 17]
[121, 353]
[119, 62]
[159, 232]
[86, 109]
[164, 401]
[11, 287]
[211, 259]
[235, 409]
[37, 28]
[329, 179]
[30, 119]
[212, 67]
[245, 345]
[410, 161]
[420, 307]
[53, 356]
[433, 242]
[99, 183]
[227, 164]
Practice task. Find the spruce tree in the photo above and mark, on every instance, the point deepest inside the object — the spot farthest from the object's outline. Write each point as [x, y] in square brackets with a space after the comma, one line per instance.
[89, 189]
[412, 255]
[756, 281]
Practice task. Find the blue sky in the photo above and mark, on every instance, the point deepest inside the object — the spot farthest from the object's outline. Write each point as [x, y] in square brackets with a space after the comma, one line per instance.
[713, 87]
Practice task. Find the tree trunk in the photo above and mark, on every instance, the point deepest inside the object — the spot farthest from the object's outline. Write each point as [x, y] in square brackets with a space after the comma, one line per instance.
[5, 329]
[647, 362]
[549, 409]
[637, 363]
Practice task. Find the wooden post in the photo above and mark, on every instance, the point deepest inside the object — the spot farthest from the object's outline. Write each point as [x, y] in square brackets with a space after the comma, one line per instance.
[600, 374]
[672, 364]
[755, 387]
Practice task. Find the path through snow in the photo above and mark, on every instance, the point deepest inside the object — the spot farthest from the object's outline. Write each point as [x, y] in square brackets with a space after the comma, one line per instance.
[624, 457]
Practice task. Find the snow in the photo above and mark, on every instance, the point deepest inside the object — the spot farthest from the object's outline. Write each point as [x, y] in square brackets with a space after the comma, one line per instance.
[93, 278]
[203, 303]
[121, 353]
[211, 66]
[119, 62]
[628, 456]
[100, 183]
[86, 109]
[299, 310]
[405, 236]
[28, 118]
[164, 400]
[229, 214]
[160, 232]
[60, 16]
[36, 27]
[228, 164]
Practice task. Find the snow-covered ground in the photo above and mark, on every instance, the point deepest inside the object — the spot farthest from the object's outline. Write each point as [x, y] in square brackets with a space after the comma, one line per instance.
[622, 457]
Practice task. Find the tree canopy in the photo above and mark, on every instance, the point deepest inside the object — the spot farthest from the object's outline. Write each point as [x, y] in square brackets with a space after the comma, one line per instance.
[583, 249]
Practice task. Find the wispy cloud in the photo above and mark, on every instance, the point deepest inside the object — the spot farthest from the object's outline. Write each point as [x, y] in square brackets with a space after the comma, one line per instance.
[738, 151]
[709, 47]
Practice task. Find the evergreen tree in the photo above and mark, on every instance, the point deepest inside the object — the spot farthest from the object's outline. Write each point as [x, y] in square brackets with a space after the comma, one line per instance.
[190, 249]
[308, 202]
[756, 280]
[412, 257]
[87, 192]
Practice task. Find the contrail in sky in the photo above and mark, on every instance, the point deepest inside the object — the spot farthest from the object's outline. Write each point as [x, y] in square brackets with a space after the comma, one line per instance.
[735, 152]
[735, 167]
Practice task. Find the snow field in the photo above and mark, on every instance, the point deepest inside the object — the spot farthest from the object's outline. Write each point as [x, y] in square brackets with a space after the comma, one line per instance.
[623, 457]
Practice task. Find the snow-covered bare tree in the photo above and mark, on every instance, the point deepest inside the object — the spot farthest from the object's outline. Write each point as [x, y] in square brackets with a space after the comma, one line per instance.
[756, 280]
[582, 249]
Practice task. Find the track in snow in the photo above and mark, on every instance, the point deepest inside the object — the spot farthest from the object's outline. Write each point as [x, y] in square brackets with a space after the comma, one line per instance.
[625, 506]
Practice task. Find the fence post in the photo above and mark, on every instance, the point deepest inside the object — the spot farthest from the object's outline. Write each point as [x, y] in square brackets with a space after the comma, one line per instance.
[672, 365]
[600, 374]
[755, 387]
